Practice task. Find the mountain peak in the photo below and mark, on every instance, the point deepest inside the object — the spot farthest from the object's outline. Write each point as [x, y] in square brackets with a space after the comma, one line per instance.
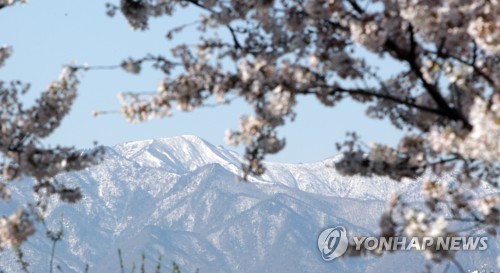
[173, 140]
[184, 153]
[179, 198]
[192, 139]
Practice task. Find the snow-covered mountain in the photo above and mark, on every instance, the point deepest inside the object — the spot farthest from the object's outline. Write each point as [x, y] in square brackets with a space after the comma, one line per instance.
[181, 198]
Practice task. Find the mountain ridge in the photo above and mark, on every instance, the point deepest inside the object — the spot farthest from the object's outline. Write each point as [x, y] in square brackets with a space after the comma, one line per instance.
[181, 198]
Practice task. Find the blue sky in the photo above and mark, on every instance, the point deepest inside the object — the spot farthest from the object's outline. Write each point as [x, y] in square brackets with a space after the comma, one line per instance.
[47, 34]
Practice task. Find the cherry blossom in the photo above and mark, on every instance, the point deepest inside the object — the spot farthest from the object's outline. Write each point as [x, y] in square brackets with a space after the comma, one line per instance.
[15, 229]
[443, 92]
[24, 157]
[5, 3]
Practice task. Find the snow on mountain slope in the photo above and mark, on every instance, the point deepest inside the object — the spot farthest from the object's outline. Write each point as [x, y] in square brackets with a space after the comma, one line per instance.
[180, 198]
[179, 154]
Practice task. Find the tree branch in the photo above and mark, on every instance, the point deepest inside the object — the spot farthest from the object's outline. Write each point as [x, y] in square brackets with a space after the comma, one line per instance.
[364, 92]
[356, 7]
[410, 56]
[237, 44]
[471, 64]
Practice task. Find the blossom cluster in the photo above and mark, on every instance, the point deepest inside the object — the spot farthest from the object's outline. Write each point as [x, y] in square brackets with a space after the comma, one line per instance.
[15, 229]
[5, 3]
[21, 131]
[442, 91]
[5, 53]
[418, 225]
[482, 142]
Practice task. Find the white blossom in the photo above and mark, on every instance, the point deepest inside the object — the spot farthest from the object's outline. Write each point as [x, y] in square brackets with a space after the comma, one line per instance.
[431, 70]
[482, 142]
[4, 3]
[131, 66]
[5, 53]
[487, 32]
[369, 34]
[137, 13]
[418, 224]
[433, 189]
[383, 153]
[15, 229]
[488, 204]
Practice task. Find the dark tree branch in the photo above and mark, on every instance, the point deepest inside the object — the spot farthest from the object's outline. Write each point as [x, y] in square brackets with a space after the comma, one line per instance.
[356, 7]
[472, 64]
[237, 44]
[369, 93]
[411, 56]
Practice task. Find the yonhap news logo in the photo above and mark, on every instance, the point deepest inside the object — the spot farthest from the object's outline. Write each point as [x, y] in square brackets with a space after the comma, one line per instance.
[332, 243]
